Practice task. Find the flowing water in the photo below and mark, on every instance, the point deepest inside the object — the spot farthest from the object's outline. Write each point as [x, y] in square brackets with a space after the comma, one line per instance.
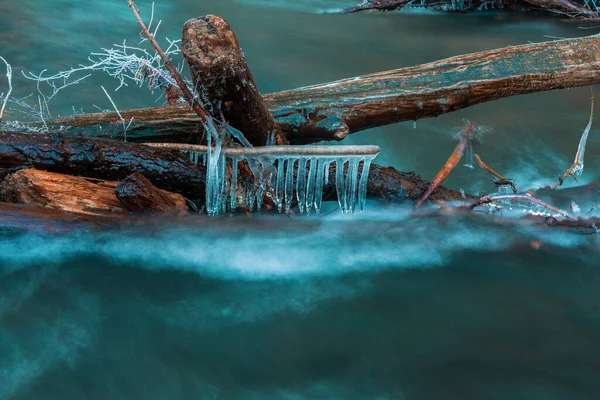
[381, 305]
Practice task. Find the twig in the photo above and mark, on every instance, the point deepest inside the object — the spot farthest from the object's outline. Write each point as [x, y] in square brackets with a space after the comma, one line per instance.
[450, 164]
[125, 127]
[500, 181]
[9, 76]
[535, 200]
[169, 66]
[577, 168]
[487, 167]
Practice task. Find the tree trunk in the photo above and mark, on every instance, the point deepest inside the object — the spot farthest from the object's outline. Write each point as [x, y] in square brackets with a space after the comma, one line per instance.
[222, 78]
[331, 111]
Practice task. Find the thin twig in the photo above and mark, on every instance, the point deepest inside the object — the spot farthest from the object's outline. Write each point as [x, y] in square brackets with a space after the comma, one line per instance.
[577, 168]
[487, 167]
[450, 164]
[500, 181]
[169, 66]
[125, 127]
[9, 76]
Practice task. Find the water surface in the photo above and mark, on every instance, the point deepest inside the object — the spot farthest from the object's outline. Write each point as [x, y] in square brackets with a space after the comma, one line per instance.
[384, 305]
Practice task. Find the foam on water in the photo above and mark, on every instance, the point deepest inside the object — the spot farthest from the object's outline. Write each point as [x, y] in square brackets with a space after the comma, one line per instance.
[271, 247]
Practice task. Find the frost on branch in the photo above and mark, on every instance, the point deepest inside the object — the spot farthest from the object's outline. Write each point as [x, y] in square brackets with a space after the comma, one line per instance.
[287, 174]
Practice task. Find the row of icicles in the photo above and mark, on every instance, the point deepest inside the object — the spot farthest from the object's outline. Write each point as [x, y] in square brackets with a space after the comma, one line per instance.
[287, 179]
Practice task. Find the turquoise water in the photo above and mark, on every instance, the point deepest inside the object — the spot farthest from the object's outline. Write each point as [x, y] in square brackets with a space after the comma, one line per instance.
[384, 305]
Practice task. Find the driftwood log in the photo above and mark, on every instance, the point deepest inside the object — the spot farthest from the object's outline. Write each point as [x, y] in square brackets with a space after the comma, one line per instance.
[332, 110]
[61, 192]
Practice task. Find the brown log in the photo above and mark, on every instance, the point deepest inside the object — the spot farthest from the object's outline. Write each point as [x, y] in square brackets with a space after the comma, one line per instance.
[61, 192]
[330, 111]
[138, 194]
[222, 77]
[168, 169]
[103, 158]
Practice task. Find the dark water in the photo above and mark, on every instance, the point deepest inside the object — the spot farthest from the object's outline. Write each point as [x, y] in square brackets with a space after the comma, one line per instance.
[385, 305]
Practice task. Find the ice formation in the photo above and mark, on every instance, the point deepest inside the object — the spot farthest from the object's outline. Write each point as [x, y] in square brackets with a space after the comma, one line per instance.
[289, 175]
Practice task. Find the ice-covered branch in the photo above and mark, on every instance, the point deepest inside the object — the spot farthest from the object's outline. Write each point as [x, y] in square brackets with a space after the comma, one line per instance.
[576, 169]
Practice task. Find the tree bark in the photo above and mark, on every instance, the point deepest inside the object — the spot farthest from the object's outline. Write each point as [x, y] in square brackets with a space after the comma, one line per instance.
[222, 78]
[333, 110]
[61, 192]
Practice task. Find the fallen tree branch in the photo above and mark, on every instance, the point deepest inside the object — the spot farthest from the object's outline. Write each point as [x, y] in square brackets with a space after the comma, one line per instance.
[333, 110]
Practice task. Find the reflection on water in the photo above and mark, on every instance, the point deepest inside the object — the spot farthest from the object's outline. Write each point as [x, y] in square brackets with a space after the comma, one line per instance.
[383, 305]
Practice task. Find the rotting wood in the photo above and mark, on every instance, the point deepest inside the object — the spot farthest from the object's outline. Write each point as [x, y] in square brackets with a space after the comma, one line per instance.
[61, 192]
[331, 111]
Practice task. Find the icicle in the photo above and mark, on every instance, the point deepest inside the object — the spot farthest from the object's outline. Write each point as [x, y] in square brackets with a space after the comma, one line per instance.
[310, 185]
[289, 184]
[301, 185]
[280, 184]
[233, 184]
[340, 183]
[326, 181]
[362, 186]
[239, 136]
[319, 186]
[352, 184]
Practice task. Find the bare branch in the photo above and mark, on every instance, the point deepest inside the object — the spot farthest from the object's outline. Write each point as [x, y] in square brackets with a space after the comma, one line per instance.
[9, 76]
[450, 164]
[172, 70]
[119, 114]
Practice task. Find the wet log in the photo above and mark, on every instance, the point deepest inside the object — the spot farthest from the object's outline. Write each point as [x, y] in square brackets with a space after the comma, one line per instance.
[224, 81]
[138, 194]
[102, 158]
[61, 192]
[562, 8]
[331, 111]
